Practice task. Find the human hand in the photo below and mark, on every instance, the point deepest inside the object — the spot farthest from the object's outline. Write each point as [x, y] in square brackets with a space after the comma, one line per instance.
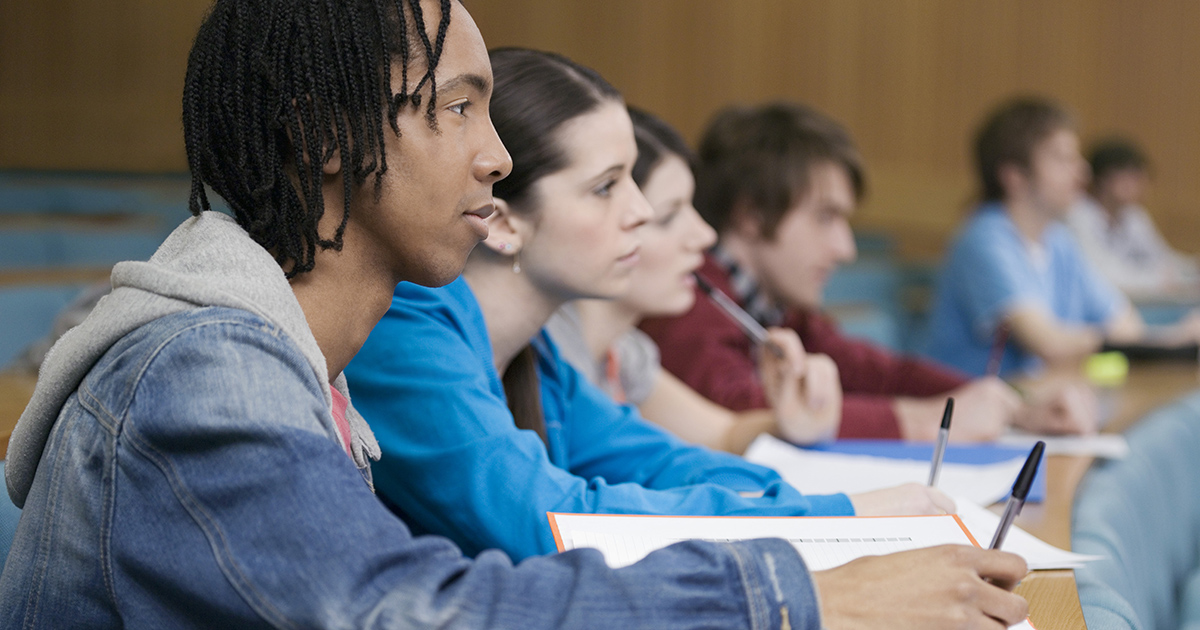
[947, 587]
[1185, 331]
[904, 500]
[983, 409]
[804, 390]
[1068, 408]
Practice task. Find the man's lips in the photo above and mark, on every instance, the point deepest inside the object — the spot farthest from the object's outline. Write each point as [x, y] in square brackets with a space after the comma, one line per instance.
[483, 211]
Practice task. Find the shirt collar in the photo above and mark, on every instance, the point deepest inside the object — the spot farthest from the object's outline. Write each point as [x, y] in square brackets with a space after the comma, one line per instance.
[747, 291]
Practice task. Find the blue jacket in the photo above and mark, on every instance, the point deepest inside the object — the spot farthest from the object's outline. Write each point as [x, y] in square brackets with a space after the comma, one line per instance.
[192, 477]
[455, 464]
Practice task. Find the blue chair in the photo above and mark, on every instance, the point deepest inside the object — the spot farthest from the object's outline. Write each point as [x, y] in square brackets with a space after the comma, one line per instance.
[28, 314]
[57, 246]
[870, 290]
[1143, 514]
[9, 515]
[874, 244]
[1161, 313]
[869, 322]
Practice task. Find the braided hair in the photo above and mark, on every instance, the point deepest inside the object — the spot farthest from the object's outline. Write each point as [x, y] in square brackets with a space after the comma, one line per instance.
[275, 87]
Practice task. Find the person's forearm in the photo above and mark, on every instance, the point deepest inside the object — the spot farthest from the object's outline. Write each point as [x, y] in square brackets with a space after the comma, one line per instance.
[747, 426]
[1054, 342]
[1127, 327]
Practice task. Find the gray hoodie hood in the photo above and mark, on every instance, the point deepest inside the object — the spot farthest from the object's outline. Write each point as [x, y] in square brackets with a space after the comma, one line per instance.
[207, 261]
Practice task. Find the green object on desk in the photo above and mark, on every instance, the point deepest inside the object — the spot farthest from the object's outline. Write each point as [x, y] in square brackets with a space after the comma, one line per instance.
[1107, 369]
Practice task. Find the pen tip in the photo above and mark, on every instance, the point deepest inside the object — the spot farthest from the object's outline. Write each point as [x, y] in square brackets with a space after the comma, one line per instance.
[702, 283]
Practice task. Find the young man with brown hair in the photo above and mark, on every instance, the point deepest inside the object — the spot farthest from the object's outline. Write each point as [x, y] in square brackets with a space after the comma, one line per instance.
[780, 182]
[1015, 264]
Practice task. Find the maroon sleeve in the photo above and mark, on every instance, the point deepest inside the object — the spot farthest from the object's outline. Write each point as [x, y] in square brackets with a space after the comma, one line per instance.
[871, 377]
[708, 352]
[868, 417]
[868, 369]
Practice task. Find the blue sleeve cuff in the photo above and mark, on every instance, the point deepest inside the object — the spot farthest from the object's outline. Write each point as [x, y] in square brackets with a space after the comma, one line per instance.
[830, 505]
[779, 589]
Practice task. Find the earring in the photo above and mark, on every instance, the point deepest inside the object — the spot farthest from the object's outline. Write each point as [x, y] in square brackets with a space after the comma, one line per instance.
[516, 262]
[504, 247]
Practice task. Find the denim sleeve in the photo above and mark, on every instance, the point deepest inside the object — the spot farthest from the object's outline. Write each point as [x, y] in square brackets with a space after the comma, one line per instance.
[231, 508]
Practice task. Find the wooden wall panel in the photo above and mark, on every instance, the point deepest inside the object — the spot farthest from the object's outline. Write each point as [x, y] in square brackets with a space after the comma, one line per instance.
[87, 85]
[94, 85]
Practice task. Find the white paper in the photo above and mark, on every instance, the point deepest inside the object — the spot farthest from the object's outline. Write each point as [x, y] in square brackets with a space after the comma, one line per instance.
[1038, 554]
[823, 542]
[819, 472]
[1106, 445]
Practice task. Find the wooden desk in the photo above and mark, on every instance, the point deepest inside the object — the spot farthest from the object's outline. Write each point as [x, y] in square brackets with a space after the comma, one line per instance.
[1149, 386]
[1053, 600]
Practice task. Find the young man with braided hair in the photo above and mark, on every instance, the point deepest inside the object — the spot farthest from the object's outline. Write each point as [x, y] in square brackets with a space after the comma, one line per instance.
[190, 457]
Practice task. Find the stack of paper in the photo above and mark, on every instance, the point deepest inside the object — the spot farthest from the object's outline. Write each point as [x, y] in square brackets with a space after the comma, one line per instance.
[1038, 554]
[823, 542]
[1105, 445]
[818, 472]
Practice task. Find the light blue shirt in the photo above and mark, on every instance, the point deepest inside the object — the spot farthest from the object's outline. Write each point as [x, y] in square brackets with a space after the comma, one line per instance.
[455, 464]
[992, 270]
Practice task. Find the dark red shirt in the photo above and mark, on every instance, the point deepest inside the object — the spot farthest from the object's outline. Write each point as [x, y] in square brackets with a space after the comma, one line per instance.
[706, 350]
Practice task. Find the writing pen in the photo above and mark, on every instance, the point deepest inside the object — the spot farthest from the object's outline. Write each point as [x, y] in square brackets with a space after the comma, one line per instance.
[748, 324]
[1020, 490]
[939, 451]
[998, 344]
[996, 358]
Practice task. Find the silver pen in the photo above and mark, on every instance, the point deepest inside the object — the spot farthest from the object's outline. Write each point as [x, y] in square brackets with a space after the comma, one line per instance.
[939, 450]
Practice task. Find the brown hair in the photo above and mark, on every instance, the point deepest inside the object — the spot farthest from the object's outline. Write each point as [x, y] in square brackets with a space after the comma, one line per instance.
[761, 157]
[1009, 136]
[535, 94]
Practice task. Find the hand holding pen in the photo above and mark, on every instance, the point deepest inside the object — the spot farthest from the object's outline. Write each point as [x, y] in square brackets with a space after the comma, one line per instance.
[748, 324]
[803, 390]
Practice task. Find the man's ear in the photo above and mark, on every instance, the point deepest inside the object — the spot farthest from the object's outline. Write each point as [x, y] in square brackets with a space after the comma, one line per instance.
[333, 164]
[746, 222]
[507, 230]
[1013, 178]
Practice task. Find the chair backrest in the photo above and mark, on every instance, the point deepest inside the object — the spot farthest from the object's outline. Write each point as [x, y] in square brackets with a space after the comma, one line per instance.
[27, 314]
[1143, 514]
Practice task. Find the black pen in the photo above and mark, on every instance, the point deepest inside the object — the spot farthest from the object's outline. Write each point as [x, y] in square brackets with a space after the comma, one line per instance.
[939, 451]
[1020, 490]
[748, 324]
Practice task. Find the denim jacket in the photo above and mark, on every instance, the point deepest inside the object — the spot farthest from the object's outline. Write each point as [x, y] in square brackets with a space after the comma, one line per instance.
[192, 477]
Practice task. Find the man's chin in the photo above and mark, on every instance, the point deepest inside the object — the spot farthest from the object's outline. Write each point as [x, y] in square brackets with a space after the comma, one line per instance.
[806, 302]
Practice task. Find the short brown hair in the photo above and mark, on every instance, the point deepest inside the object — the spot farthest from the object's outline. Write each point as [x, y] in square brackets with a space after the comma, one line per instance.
[762, 156]
[1009, 136]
